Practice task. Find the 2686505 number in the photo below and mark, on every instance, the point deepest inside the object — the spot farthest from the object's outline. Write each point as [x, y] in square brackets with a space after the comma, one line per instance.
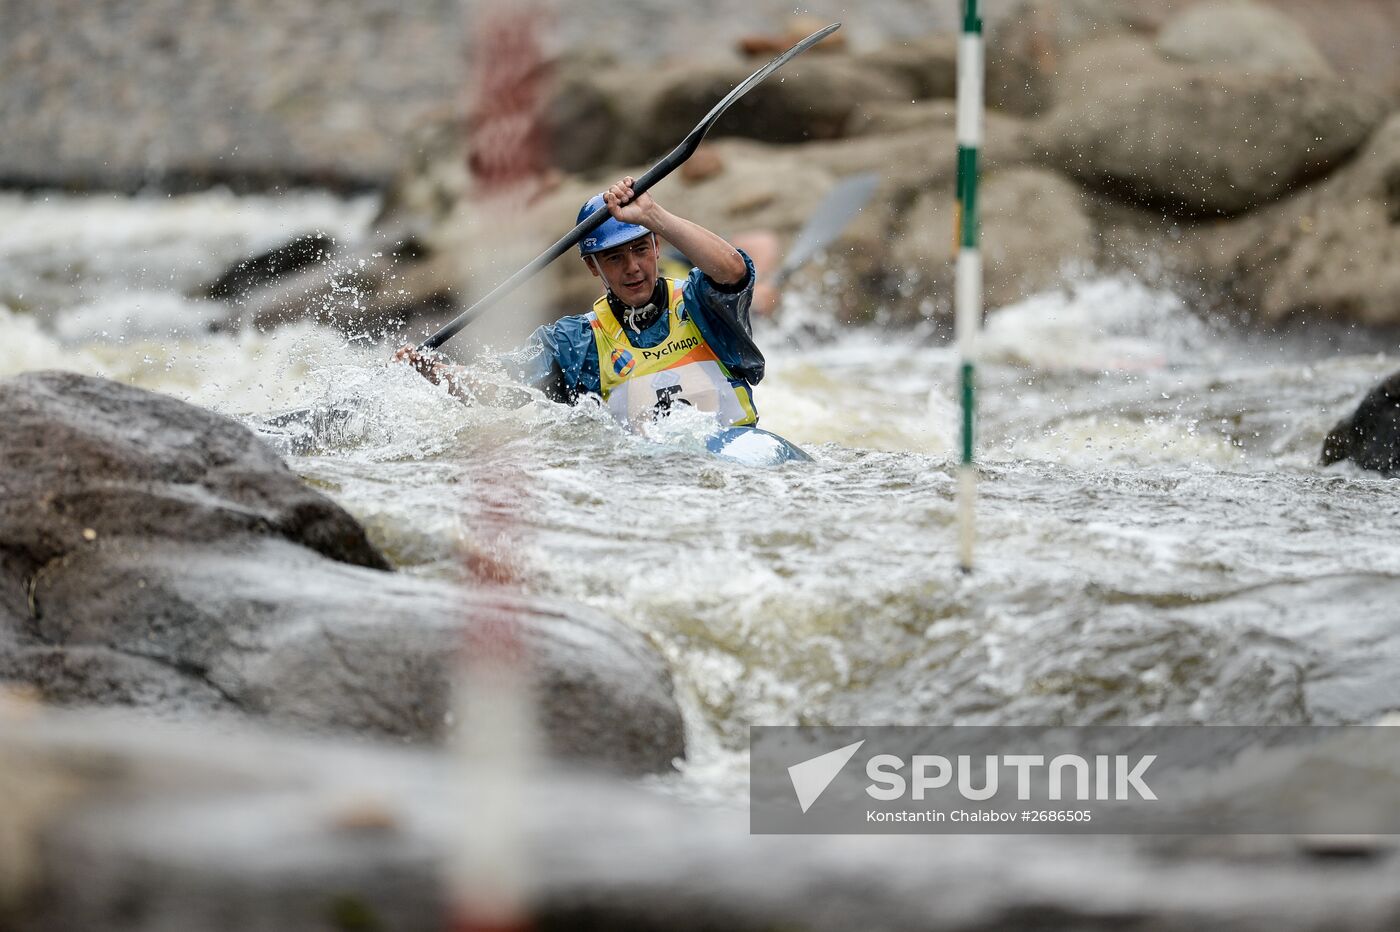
[1057, 815]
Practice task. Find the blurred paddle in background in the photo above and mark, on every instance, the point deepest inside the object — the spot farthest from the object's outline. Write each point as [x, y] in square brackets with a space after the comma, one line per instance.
[831, 217]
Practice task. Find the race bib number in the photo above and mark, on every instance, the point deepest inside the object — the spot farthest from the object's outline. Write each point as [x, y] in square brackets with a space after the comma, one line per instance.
[698, 385]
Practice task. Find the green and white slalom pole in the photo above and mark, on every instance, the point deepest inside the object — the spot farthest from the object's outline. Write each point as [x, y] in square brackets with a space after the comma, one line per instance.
[967, 293]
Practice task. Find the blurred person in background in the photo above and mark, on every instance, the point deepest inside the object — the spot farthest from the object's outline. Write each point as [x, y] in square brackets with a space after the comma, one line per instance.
[762, 246]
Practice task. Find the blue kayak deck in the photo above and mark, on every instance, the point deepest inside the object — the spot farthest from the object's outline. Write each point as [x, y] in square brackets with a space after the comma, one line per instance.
[753, 446]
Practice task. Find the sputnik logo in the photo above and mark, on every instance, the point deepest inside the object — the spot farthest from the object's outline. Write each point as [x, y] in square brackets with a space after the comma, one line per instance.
[811, 777]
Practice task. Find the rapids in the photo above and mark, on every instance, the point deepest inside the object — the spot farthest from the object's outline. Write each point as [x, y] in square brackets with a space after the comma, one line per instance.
[1156, 541]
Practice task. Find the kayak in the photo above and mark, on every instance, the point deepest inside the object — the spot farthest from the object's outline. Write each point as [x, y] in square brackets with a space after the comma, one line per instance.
[753, 446]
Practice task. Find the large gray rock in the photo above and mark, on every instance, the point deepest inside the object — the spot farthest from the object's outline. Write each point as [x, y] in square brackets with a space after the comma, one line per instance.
[1203, 142]
[1327, 252]
[1118, 59]
[1241, 34]
[811, 98]
[884, 118]
[85, 459]
[1029, 42]
[254, 272]
[1035, 232]
[1370, 435]
[928, 65]
[156, 554]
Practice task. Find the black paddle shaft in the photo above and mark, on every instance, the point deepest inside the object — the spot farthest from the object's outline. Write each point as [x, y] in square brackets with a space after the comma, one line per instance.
[654, 174]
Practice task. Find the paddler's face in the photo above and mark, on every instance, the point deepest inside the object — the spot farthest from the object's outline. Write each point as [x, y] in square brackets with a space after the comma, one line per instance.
[629, 269]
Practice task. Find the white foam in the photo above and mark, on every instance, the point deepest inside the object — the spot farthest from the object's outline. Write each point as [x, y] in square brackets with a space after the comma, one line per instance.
[871, 390]
[1104, 324]
[24, 347]
[52, 223]
[1115, 440]
[137, 313]
[61, 251]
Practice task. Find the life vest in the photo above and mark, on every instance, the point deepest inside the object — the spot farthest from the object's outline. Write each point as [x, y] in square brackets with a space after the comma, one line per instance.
[639, 383]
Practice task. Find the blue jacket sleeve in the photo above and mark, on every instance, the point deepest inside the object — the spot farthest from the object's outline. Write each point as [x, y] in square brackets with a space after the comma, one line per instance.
[558, 359]
[722, 314]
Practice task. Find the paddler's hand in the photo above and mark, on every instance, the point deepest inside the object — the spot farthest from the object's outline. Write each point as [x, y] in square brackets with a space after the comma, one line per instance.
[429, 365]
[628, 206]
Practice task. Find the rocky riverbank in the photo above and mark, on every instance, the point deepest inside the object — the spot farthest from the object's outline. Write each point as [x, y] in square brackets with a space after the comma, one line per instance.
[1183, 148]
[158, 555]
[1230, 147]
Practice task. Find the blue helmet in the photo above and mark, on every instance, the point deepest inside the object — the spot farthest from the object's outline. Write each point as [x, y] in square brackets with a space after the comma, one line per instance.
[612, 233]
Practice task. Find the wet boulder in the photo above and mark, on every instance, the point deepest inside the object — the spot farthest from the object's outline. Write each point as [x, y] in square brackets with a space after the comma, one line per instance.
[810, 99]
[583, 119]
[158, 555]
[84, 460]
[1241, 34]
[271, 630]
[928, 65]
[1035, 232]
[1030, 41]
[309, 249]
[372, 288]
[1328, 252]
[884, 118]
[1201, 141]
[1370, 437]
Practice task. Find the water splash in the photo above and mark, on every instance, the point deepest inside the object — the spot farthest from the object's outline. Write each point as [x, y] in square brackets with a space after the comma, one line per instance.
[1114, 324]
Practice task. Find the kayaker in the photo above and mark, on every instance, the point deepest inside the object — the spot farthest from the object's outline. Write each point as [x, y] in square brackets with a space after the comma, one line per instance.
[650, 343]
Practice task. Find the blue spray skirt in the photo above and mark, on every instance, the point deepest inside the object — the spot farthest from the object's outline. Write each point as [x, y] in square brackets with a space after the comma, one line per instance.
[753, 446]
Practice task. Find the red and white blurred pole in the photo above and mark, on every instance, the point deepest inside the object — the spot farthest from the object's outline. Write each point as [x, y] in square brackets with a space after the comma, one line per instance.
[494, 746]
[494, 742]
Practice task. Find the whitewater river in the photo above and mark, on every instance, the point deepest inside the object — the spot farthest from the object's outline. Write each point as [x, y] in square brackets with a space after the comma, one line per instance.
[1156, 541]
